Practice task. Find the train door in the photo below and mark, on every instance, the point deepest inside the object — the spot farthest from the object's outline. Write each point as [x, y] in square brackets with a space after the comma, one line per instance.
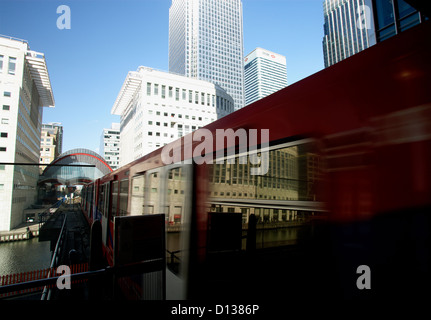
[177, 188]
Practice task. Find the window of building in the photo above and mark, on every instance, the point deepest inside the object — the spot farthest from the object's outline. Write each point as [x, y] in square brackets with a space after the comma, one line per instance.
[1, 63]
[163, 92]
[2, 149]
[3, 135]
[171, 92]
[4, 121]
[6, 107]
[156, 89]
[7, 94]
[12, 65]
[148, 89]
[150, 133]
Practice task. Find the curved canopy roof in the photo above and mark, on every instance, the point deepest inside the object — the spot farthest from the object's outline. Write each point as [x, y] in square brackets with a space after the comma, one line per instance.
[75, 166]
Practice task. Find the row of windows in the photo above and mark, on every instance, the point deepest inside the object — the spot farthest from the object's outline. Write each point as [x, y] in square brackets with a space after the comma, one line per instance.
[11, 65]
[202, 97]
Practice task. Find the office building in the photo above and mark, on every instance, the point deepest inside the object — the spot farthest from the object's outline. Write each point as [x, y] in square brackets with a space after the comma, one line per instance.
[25, 88]
[51, 142]
[354, 25]
[110, 145]
[343, 36]
[158, 107]
[206, 43]
[264, 73]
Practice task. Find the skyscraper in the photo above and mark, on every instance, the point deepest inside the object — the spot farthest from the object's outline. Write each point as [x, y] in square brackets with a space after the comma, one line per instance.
[206, 42]
[348, 29]
[110, 145]
[264, 73]
[354, 25]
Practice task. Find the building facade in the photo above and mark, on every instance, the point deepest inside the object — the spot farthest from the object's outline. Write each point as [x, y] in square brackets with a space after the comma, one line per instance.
[354, 25]
[348, 29]
[206, 43]
[110, 145]
[158, 107]
[264, 73]
[25, 89]
[51, 142]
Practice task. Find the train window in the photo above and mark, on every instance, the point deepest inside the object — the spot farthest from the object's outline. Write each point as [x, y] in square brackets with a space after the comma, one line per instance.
[124, 197]
[114, 199]
[90, 201]
[137, 204]
[286, 196]
[152, 197]
[100, 204]
[106, 200]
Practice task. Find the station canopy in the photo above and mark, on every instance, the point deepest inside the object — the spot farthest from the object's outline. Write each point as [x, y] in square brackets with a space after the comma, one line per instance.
[74, 167]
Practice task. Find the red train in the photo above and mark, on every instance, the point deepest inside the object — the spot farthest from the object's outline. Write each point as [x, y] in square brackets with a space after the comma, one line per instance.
[348, 184]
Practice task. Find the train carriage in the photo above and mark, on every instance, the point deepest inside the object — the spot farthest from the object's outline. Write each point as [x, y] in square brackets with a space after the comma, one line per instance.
[347, 184]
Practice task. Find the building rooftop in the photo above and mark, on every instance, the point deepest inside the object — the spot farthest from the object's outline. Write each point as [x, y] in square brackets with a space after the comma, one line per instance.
[38, 69]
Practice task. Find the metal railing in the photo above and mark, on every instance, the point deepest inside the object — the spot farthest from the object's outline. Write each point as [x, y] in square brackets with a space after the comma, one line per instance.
[46, 294]
[107, 273]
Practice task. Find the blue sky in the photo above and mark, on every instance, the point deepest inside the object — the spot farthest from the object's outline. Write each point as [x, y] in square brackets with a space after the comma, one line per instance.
[88, 63]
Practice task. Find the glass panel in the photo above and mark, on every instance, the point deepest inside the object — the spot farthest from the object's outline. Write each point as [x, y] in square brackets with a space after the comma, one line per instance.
[177, 210]
[286, 196]
[100, 207]
[409, 22]
[124, 196]
[404, 9]
[386, 33]
[152, 197]
[385, 13]
[137, 204]
[114, 199]
[12, 65]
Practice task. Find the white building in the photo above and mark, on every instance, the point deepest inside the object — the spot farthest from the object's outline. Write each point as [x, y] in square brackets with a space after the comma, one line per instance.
[206, 42]
[110, 145]
[51, 142]
[158, 107]
[265, 73]
[24, 89]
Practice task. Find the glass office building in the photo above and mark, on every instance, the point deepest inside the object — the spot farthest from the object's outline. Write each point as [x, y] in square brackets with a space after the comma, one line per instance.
[354, 25]
[206, 43]
[265, 73]
[343, 36]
